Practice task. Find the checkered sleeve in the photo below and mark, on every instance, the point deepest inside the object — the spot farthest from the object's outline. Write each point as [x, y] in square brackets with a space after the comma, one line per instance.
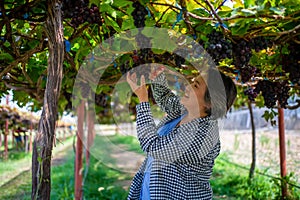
[188, 143]
[165, 98]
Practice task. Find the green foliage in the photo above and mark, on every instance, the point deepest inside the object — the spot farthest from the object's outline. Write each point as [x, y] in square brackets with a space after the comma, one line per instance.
[23, 44]
[270, 115]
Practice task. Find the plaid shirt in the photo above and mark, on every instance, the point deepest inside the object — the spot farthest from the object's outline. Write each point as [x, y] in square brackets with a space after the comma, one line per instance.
[183, 159]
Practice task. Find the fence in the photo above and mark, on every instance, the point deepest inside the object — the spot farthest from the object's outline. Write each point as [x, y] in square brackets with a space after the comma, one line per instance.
[240, 120]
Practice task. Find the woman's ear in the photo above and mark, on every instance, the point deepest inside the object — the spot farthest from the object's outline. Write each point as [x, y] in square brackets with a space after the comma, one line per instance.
[207, 108]
[207, 105]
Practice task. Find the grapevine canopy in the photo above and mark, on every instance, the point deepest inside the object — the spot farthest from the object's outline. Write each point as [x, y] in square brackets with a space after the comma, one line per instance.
[254, 42]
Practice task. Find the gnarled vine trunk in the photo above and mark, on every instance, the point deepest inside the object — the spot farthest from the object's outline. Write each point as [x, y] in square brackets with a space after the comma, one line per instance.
[43, 142]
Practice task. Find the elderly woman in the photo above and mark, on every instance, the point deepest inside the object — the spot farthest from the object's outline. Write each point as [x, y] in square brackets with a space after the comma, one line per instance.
[182, 148]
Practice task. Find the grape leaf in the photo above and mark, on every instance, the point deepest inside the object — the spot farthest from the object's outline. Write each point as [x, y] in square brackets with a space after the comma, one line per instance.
[278, 10]
[241, 27]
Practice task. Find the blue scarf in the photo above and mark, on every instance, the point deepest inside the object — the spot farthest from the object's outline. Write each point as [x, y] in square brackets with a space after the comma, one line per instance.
[162, 131]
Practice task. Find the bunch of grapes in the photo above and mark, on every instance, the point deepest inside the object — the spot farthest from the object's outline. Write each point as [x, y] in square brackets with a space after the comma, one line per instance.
[282, 92]
[266, 87]
[259, 43]
[218, 46]
[250, 93]
[79, 12]
[68, 97]
[144, 54]
[291, 63]
[139, 13]
[142, 41]
[139, 57]
[85, 89]
[179, 60]
[179, 56]
[165, 57]
[73, 8]
[241, 53]
[145, 70]
[272, 92]
[101, 100]
[124, 67]
[247, 72]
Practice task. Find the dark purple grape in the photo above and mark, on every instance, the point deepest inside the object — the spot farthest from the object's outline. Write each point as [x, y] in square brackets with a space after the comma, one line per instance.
[259, 43]
[273, 91]
[250, 93]
[241, 54]
[218, 46]
[139, 14]
[79, 12]
[247, 73]
[291, 63]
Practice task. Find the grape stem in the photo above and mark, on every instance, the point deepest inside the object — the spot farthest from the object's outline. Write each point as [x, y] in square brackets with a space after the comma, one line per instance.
[186, 18]
[297, 41]
[288, 32]
[23, 58]
[198, 17]
[164, 4]
[217, 16]
[202, 6]
[162, 15]
[279, 34]
[26, 75]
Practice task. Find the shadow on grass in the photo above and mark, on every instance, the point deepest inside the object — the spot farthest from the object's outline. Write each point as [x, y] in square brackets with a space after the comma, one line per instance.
[18, 188]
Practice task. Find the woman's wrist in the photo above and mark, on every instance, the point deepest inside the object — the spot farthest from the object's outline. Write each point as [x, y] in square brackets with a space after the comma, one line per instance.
[143, 99]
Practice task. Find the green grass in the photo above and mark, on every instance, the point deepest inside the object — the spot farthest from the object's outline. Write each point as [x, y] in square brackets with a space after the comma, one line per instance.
[18, 188]
[100, 182]
[17, 161]
[15, 176]
[229, 181]
[131, 142]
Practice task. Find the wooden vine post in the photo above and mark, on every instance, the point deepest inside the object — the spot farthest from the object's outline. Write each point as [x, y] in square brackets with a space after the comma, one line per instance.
[6, 133]
[282, 152]
[30, 136]
[91, 134]
[79, 151]
[43, 141]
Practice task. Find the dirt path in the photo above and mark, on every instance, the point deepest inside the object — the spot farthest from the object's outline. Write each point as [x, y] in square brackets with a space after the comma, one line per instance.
[128, 162]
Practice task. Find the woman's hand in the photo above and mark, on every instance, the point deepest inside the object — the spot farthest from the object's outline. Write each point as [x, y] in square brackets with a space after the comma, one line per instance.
[155, 71]
[140, 90]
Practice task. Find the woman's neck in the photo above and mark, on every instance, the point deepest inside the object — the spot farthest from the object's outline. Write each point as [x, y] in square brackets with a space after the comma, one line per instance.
[189, 117]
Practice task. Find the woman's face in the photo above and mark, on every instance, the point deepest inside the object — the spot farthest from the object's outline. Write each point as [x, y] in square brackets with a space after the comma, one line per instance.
[193, 97]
